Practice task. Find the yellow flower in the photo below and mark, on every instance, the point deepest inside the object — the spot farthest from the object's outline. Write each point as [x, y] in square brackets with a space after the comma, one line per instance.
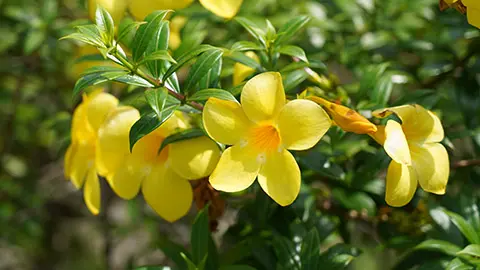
[417, 156]
[162, 177]
[80, 156]
[241, 71]
[346, 118]
[261, 130]
[116, 8]
[176, 26]
[223, 8]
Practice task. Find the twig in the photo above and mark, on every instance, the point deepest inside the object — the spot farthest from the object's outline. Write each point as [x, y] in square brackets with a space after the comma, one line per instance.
[466, 163]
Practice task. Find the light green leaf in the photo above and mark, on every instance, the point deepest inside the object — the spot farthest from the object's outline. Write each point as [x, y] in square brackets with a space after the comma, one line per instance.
[159, 55]
[439, 246]
[253, 29]
[33, 40]
[159, 44]
[465, 228]
[94, 79]
[133, 80]
[146, 33]
[202, 66]
[242, 58]
[471, 253]
[242, 46]
[205, 94]
[458, 264]
[127, 28]
[105, 24]
[288, 30]
[182, 60]
[294, 51]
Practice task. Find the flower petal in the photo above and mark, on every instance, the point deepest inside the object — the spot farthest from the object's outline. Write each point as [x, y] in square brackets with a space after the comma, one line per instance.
[127, 179]
[167, 193]
[195, 158]
[98, 107]
[379, 135]
[223, 8]
[396, 144]
[91, 192]
[263, 97]
[82, 160]
[401, 184]
[237, 169]
[431, 163]
[279, 177]
[81, 129]
[225, 121]
[241, 71]
[473, 16]
[302, 123]
[418, 124]
[141, 8]
[113, 140]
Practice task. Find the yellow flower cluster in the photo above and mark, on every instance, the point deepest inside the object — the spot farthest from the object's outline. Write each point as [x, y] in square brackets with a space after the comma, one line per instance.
[261, 130]
[100, 146]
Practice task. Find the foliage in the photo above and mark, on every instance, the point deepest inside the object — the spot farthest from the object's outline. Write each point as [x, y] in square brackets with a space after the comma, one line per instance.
[366, 55]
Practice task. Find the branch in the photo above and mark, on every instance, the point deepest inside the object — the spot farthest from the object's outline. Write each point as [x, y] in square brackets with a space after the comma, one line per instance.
[466, 163]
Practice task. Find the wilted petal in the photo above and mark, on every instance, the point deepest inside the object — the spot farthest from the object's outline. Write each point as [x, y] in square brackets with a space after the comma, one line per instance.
[279, 177]
[98, 107]
[141, 8]
[237, 169]
[113, 140]
[263, 97]
[241, 71]
[225, 121]
[431, 163]
[194, 158]
[302, 123]
[91, 192]
[401, 184]
[418, 124]
[223, 8]
[167, 193]
[396, 144]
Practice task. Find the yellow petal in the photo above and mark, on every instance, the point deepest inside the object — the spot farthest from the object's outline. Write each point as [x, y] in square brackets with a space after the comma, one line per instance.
[223, 8]
[91, 192]
[419, 125]
[127, 179]
[473, 15]
[263, 96]
[113, 139]
[175, 123]
[279, 177]
[141, 8]
[81, 129]
[431, 163]
[473, 4]
[379, 135]
[225, 121]
[237, 169]
[116, 8]
[82, 160]
[167, 193]
[241, 71]
[302, 123]
[99, 106]
[195, 158]
[396, 144]
[401, 184]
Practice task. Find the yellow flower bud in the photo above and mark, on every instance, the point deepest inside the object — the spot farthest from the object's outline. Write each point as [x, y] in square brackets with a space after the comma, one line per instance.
[346, 118]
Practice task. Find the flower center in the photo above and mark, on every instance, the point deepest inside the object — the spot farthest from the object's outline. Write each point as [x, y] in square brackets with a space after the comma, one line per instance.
[264, 138]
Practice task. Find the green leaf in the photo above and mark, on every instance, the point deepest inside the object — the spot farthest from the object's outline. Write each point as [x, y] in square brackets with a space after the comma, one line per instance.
[97, 69]
[189, 263]
[157, 99]
[94, 79]
[383, 90]
[49, 10]
[212, 79]
[159, 44]
[159, 55]
[105, 24]
[310, 251]
[271, 32]
[133, 80]
[237, 267]
[439, 246]
[126, 28]
[181, 136]
[33, 40]
[202, 66]
[153, 268]
[242, 58]
[173, 251]
[294, 51]
[338, 257]
[200, 236]
[182, 60]
[242, 46]
[146, 33]
[253, 29]
[82, 38]
[294, 66]
[294, 79]
[148, 123]
[356, 200]
[458, 264]
[370, 76]
[92, 33]
[205, 94]
[288, 30]
[465, 228]
[286, 253]
[471, 253]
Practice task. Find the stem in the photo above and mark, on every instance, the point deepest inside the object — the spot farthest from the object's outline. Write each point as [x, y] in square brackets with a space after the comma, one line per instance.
[156, 83]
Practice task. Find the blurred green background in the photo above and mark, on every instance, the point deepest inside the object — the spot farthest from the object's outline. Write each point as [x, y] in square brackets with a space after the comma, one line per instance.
[374, 53]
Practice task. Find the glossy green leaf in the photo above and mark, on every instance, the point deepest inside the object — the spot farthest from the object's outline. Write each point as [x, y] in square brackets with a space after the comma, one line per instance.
[159, 55]
[83, 38]
[200, 236]
[148, 123]
[146, 33]
[182, 60]
[253, 29]
[242, 46]
[133, 80]
[465, 228]
[294, 79]
[242, 58]
[181, 136]
[94, 79]
[439, 246]
[471, 253]
[370, 77]
[157, 99]
[383, 90]
[105, 24]
[202, 66]
[212, 78]
[458, 264]
[126, 28]
[190, 265]
[92, 33]
[310, 251]
[338, 257]
[205, 94]
[288, 30]
[158, 50]
[293, 51]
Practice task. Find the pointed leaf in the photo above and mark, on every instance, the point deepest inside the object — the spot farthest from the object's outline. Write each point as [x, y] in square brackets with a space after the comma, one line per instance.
[294, 51]
[310, 252]
[438, 245]
[105, 24]
[212, 79]
[288, 30]
[181, 136]
[253, 29]
[242, 46]
[202, 66]
[465, 228]
[185, 58]
[134, 80]
[200, 236]
[94, 79]
[242, 58]
[205, 94]
[159, 44]
[146, 33]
